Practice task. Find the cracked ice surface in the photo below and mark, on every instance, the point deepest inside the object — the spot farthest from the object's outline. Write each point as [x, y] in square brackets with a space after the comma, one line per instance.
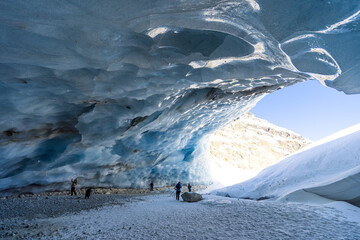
[124, 92]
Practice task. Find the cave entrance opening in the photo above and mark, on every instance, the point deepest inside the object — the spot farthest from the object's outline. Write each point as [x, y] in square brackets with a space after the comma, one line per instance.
[281, 124]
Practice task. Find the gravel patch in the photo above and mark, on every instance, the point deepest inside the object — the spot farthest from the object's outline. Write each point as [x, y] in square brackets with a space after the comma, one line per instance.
[54, 206]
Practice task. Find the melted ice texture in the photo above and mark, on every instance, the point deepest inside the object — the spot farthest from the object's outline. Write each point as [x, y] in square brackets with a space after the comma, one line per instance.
[119, 93]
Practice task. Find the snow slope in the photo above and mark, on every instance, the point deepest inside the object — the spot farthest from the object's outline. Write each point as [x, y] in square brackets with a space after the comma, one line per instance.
[330, 169]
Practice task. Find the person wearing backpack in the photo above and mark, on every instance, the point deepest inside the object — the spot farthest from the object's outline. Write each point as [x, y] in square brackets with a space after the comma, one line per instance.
[178, 190]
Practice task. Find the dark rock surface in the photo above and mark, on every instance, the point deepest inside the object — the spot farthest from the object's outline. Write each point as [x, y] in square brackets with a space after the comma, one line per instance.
[191, 197]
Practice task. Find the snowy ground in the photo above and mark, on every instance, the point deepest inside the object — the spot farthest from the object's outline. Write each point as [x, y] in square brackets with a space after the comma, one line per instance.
[160, 216]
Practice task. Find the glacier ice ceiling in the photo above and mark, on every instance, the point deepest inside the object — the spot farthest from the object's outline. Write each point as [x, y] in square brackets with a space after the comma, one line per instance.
[119, 93]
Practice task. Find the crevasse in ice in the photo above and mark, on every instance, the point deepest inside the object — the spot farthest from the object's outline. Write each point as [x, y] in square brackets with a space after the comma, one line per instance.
[119, 93]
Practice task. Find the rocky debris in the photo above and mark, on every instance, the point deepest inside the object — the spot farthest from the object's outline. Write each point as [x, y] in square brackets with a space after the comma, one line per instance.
[53, 206]
[254, 143]
[191, 197]
[26, 194]
[95, 190]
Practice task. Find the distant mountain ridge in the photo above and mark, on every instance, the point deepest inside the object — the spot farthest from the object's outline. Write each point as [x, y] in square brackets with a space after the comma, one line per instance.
[252, 143]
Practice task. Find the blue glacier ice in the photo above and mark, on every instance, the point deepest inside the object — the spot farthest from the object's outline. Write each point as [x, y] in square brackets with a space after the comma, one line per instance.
[119, 93]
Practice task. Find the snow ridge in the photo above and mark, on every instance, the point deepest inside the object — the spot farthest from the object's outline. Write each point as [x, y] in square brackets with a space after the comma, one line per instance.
[330, 169]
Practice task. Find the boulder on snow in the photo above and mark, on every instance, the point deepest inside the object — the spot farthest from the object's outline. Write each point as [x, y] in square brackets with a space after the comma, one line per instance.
[191, 197]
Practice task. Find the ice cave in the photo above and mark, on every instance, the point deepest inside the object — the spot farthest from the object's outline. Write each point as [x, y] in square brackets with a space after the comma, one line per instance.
[120, 93]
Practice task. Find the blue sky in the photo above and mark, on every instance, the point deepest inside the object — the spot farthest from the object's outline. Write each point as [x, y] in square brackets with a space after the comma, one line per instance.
[310, 109]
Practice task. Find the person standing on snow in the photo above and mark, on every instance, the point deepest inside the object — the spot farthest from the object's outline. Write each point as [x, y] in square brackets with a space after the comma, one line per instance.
[178, 190]
[151, 186]
[73, 185]
[189, 187]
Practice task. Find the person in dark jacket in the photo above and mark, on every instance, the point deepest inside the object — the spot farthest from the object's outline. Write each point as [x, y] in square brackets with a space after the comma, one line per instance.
[178, 190]
[151, 186]
[73, 185]
[189, 187]
[88, 193]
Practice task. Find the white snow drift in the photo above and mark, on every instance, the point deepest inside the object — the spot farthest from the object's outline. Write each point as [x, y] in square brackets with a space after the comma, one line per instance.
[330, 169]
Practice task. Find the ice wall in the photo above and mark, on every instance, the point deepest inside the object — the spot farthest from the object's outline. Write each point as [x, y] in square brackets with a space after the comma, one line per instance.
[124, 92]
